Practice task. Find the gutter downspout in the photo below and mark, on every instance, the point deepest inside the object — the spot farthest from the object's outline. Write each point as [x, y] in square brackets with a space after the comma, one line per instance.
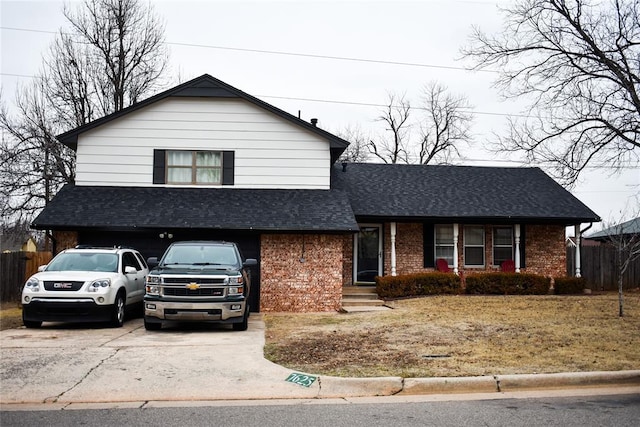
[579, 234]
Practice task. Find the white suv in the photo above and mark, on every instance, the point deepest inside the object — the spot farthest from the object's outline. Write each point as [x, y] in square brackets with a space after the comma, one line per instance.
[85, 284]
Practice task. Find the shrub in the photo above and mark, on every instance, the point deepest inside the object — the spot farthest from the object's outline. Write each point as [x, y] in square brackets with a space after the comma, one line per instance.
[507, 284]
[569, 285]
[409, 285]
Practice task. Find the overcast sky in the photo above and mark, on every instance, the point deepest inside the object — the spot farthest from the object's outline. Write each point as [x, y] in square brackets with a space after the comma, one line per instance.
[375, 47]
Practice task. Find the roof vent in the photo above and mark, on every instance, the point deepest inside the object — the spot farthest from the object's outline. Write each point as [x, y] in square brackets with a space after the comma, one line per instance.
[344, 166]
[314, 121]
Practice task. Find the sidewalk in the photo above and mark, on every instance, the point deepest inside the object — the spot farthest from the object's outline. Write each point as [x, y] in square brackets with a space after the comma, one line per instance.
[70, 365]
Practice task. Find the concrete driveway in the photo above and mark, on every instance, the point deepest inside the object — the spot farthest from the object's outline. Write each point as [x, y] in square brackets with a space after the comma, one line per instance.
[68, 363]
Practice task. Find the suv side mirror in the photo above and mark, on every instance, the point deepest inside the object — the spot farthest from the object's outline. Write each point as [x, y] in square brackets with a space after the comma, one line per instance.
[250, 262]
[130, 270]
[152, 262]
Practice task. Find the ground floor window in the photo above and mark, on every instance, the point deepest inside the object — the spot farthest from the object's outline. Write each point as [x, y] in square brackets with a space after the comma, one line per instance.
[444, 242]
[502, 245]
[473, 245]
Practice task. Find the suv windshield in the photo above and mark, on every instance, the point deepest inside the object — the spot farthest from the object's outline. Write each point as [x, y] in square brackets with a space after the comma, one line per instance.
[84, 261]
[201, 255]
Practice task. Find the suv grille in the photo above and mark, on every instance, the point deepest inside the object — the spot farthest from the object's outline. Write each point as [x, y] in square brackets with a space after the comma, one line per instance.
[61, 285]
[201, 292]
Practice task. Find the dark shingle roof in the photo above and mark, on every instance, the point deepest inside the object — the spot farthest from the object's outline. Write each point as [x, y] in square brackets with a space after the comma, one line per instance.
[217, 208]
[457, 193]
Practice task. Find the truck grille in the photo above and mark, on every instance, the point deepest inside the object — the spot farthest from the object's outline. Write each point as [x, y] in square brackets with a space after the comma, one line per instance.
[201, 292]
[199, 280]
[62, 285]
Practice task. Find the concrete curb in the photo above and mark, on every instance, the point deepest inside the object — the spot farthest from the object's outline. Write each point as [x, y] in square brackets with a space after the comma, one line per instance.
[388, 386]
[331, 387]
[440, 385]
[565, 380]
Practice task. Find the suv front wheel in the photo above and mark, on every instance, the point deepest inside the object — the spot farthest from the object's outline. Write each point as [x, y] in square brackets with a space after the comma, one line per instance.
[117, 314]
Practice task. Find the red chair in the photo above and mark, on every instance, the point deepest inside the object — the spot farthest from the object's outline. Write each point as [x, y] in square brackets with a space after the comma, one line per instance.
[508, 266]
[442, 265]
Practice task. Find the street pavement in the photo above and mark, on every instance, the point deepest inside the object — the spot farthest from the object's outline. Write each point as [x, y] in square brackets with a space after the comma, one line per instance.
[59, 365]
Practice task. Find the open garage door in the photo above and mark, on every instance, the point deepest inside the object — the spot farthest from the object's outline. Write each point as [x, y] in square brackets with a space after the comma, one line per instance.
[154, 243]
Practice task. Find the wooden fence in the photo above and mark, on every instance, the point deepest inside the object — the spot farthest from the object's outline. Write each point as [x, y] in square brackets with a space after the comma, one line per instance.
[15, 269]
[599, 267]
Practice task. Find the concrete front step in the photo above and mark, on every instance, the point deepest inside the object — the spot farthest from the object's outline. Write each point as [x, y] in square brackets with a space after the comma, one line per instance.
[351, 290]
[362, 302]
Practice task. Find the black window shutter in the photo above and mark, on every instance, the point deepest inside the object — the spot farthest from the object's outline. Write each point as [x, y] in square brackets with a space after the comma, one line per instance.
[228, 160]
[428, 245]
[523, 240]
[159, 166]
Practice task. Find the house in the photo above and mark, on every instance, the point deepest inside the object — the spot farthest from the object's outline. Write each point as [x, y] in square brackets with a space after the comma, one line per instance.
[627, 228]
[204, 160]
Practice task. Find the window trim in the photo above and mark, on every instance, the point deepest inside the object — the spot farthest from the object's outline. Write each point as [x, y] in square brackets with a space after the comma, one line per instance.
[465, 246]
[194, 167]
[159, 167]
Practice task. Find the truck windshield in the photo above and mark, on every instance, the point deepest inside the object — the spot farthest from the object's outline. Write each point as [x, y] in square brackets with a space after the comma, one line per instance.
[201, 255]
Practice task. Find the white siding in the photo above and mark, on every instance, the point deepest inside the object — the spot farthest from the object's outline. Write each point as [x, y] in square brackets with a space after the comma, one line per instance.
[270, 152]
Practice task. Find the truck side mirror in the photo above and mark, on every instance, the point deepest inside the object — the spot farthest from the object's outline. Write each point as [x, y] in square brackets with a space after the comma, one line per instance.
[152, 262]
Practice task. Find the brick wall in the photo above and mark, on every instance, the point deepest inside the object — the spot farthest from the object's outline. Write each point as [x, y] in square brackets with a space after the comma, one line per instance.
[545, 250]
[65, 240]
[409, 249]
[289, 285]
[347, 256]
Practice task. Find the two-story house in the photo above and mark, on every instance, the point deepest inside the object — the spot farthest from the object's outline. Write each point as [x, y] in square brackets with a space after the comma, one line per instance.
[204, 160]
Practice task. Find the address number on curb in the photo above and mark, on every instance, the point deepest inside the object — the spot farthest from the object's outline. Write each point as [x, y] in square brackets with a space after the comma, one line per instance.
[301, 379]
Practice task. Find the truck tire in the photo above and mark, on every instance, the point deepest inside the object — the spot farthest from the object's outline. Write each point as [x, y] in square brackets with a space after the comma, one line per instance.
[152, 326]
[244, 325]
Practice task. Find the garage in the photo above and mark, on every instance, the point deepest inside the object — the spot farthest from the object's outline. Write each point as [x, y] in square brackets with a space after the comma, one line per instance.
[152, 243]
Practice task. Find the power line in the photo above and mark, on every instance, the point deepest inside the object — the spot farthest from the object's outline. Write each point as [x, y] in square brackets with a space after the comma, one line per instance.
[296, 54]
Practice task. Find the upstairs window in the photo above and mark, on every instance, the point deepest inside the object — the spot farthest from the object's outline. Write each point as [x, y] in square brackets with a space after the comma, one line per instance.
[194, 167]
[502, 244]
[474, 246]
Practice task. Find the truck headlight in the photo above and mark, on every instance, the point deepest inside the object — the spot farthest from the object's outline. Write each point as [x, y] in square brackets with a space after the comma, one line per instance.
[99, 284]
[236, 290]
[236, 280]
[154, 280]
[32, 285]
[153, 289]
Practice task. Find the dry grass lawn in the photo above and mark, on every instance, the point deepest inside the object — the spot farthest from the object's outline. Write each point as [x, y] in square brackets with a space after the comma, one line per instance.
[461, 336]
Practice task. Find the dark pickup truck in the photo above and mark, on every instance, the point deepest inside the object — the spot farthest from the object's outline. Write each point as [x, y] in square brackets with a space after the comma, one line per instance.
[198, 281]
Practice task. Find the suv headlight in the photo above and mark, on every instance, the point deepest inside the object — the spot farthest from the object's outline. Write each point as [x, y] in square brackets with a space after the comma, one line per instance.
[99, 284]
[32, 285]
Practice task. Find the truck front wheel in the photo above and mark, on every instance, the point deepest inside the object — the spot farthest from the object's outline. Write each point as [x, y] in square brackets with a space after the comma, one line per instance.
[242, 326]
[152, 326]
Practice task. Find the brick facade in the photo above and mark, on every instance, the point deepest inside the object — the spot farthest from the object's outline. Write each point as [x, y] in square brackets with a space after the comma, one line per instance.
[545, 252]
[301, 273]
[65, 240]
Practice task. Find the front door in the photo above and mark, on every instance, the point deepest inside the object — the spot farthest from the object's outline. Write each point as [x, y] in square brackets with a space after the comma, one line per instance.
[367, 253]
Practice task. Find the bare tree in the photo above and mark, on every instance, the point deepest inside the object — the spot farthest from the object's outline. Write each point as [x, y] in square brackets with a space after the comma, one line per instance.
[577, 63]
[446, 125]
[444, 121]
[113, 56]
[396, 119]
[357, 150]
[625, 238]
